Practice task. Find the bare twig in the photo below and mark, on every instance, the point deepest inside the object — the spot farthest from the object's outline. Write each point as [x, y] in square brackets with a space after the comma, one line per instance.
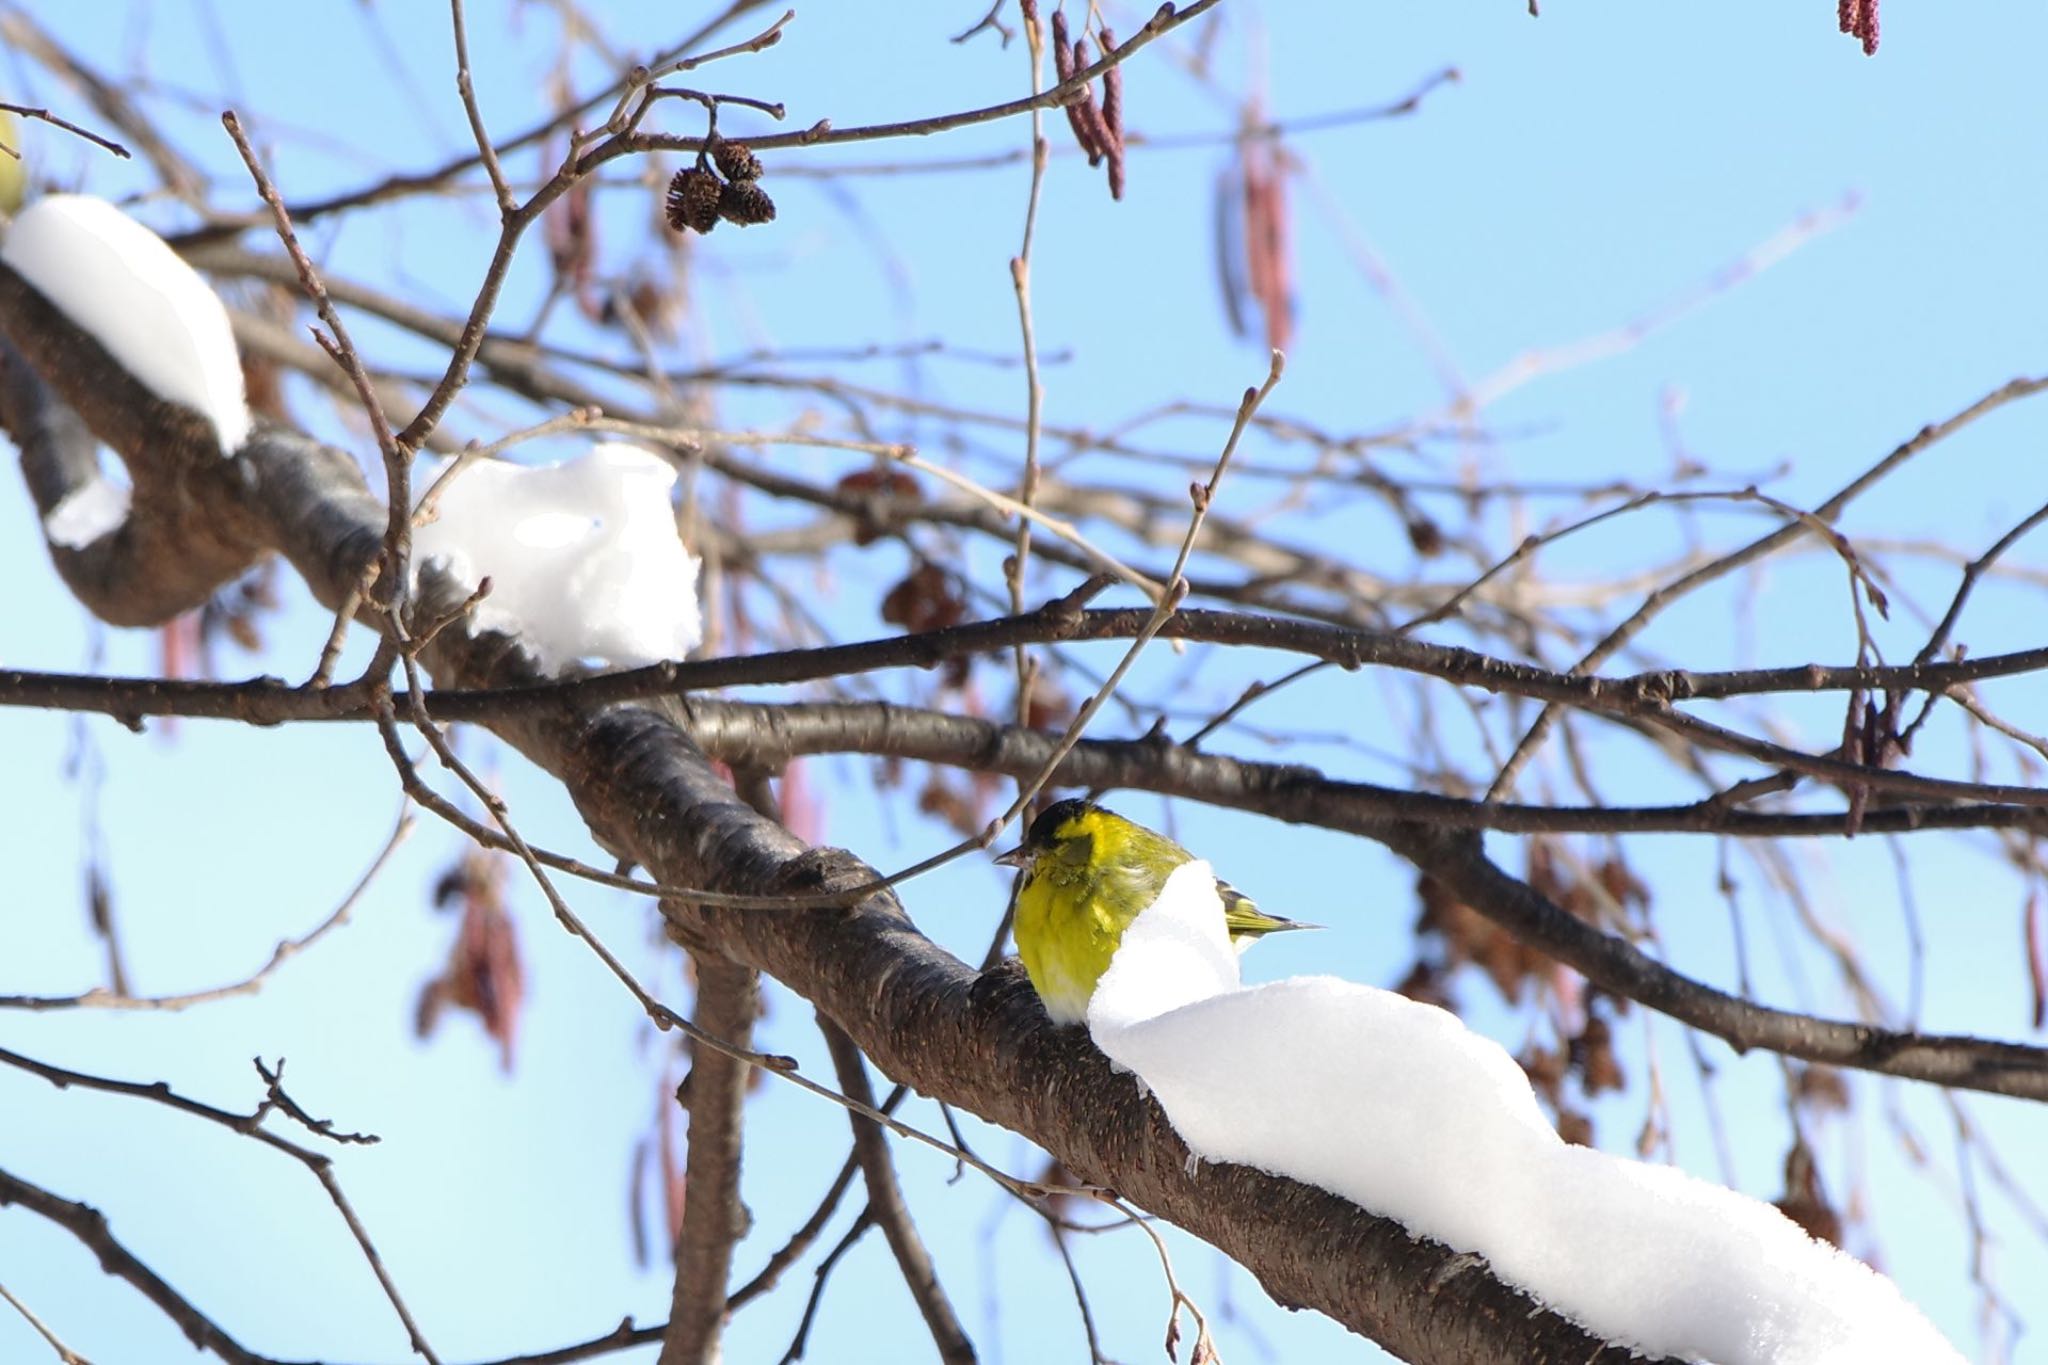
[91, 1227]
[249, 985]
[1202, 494]
[65, 1355]
[886, 1206]
[1655, 603]
[465, 86]
[27, 111]
[393, 582]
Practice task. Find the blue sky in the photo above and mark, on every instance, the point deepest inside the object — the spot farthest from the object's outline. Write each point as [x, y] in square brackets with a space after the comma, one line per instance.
[1588, 168]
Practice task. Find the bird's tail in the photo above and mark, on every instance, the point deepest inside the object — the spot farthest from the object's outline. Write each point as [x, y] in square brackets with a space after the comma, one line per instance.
[1244, 919]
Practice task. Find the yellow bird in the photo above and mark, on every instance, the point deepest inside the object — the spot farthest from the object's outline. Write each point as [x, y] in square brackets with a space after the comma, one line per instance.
[1083, 874]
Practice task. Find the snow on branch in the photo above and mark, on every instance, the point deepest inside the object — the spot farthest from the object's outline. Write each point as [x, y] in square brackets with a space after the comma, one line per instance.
[1400, 1108]
[95, 508]
[118, 280]
[583, 557]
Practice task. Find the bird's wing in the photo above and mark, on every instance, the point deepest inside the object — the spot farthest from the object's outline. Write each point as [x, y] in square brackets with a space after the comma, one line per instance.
[1242, 916]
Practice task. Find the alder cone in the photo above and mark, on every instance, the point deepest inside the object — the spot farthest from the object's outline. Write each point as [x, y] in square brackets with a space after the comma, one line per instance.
[736, 160]
[693, 200]
[745, 203]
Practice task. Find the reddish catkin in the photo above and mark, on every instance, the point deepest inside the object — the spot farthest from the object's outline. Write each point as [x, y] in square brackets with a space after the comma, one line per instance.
[1279, 241]
[1113, 116]
[571, 233]
[1268, 268]
[1256, 185]
[1063, 67]
[1094, 131]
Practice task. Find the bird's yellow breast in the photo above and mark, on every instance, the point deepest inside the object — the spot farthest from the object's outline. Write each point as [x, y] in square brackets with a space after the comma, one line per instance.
[1067, 930]
[1087, 874]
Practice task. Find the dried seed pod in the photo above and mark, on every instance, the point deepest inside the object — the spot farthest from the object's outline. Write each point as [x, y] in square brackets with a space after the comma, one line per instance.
[926, 600]
[745, 203]
[1268, 262]
[1062, 50]
[736, 160]
[1858, 19]
[1113, 116]
[693, 200]
[1085, 114]
[1112, 90]
[1424, 534]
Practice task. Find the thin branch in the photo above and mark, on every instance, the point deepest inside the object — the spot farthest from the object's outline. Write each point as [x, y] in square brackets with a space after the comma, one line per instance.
[466, 88]
[1163, 21]
[886, 1206]
[65, 1355]
[393, 584]
[1016, 568]
[1201, 494]
[795, 1350]
[1757, 549]
[89, 1226]
[27, 111]
[99, 998]
[322, 1167]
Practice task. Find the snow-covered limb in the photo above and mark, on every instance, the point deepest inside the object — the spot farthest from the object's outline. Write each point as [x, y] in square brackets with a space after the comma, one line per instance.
[153, 313]
[1400, 1108]
[583, 557]
[95, 508]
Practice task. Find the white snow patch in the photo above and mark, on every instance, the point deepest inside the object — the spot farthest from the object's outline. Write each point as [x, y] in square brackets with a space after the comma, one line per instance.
[583, 556]
[119, 281]
[1400, 1108]
[91, 510]
[95, 508]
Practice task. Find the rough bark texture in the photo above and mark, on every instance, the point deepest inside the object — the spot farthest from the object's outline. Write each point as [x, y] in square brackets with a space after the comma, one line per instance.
[978, 1041]
[714, 1219]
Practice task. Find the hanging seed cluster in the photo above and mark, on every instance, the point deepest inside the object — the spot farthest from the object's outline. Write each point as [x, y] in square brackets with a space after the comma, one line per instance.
[1858, 19]
[1098, 128]
[723, 185]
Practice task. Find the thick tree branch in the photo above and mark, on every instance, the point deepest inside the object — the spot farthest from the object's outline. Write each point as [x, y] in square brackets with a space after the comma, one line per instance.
[714, 1219]
[927, 1019]
[1645, 696]
[1420, 828]
[321, 516]
[189, 530]
[774, 733]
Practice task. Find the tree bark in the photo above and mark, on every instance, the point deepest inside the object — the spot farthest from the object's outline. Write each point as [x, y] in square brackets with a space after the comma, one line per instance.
[978, 1041]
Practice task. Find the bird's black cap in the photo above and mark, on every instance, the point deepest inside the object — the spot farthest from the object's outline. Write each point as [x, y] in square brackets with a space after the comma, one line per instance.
[1052, 817]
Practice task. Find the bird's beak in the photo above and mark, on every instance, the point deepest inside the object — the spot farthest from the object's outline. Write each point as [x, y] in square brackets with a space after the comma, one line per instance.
[1016, 857]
